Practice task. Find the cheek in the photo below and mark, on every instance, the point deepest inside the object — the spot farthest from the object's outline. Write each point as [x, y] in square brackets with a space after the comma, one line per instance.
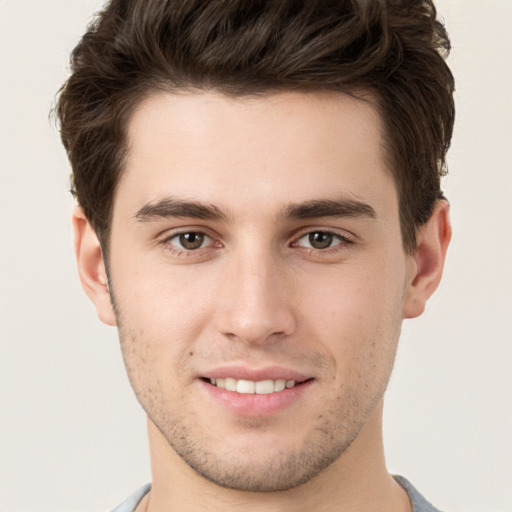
[159, 317]
[162, 300]
[344, 301]
[357, 315]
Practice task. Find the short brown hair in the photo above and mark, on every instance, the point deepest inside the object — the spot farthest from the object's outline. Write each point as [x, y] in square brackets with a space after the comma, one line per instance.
[392, 49]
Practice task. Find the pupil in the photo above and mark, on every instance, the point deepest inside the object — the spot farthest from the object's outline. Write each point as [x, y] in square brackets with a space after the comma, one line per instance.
[320, 240]
[191, 240]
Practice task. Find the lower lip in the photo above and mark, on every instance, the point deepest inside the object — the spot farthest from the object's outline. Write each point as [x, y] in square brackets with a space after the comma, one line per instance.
[253, 404]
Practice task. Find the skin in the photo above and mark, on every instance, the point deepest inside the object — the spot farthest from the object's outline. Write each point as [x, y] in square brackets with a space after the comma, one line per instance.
[257, 294]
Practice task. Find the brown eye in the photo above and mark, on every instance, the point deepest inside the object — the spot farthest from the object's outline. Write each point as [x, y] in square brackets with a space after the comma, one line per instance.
[320, 240]
[189, 241]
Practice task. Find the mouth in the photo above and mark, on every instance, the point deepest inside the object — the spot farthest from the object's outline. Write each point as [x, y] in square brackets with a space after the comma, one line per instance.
[256, 392]
[251, 387]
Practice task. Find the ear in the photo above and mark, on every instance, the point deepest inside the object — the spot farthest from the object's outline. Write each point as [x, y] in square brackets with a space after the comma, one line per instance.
[427, 262]
[91, 267]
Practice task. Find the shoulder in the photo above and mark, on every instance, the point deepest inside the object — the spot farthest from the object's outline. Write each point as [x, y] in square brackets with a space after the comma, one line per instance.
[130, 503]
[419, 503]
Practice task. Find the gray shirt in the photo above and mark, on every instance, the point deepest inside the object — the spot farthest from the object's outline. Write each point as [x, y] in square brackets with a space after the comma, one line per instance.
[419, 503]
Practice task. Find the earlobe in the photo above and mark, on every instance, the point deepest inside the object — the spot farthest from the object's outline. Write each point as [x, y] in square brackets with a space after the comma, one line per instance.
[91, 267]
[428, 260]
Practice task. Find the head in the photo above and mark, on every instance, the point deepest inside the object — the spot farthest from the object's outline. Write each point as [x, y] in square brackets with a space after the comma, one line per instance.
[263, 179]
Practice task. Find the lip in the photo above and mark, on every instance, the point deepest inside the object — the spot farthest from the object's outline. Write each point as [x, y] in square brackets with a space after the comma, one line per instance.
[256, 374]
[254, 405]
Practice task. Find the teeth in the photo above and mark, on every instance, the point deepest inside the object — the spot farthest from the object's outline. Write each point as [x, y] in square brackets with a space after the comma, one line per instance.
[245, 386]
[279, 385]
[230, 384]
[262, 387]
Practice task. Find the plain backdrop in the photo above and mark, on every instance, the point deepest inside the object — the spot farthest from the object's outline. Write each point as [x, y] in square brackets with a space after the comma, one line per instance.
[72, 436]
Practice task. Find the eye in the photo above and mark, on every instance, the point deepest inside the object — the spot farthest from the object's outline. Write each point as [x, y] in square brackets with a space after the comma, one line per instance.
[320, 240]
[189, 241]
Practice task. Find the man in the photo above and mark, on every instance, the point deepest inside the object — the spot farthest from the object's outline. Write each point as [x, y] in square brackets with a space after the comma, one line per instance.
[259, 208]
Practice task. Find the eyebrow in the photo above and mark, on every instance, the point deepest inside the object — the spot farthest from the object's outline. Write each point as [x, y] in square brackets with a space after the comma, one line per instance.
[329, 208]
[171, 207]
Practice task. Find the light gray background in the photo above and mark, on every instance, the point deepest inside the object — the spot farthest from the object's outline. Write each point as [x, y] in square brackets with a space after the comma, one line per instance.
[72, 437]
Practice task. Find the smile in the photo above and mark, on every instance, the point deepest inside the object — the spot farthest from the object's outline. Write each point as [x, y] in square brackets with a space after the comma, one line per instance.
[262, 387]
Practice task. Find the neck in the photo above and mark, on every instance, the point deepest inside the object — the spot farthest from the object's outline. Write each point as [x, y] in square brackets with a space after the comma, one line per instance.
[357, 481]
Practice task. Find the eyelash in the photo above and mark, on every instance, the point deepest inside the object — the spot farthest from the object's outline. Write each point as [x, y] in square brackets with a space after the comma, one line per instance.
[343, 242]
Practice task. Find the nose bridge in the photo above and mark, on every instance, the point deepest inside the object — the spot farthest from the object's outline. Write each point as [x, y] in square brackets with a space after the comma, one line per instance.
[255, 304]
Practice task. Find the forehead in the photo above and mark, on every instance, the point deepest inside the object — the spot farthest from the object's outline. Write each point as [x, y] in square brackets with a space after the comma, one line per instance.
[275, 149]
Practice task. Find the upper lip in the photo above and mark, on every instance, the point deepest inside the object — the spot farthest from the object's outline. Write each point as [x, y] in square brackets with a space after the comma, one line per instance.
[256, 374]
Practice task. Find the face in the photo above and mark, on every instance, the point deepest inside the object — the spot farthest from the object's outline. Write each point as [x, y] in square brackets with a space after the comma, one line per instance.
[259, 279]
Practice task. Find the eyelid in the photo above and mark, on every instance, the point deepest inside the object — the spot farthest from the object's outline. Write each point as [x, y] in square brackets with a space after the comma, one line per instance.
[340, 233]
[336, 237]
[177, 235]
[171, 232]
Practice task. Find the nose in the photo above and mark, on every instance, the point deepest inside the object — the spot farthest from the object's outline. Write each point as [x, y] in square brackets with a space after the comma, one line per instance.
[255, 301]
